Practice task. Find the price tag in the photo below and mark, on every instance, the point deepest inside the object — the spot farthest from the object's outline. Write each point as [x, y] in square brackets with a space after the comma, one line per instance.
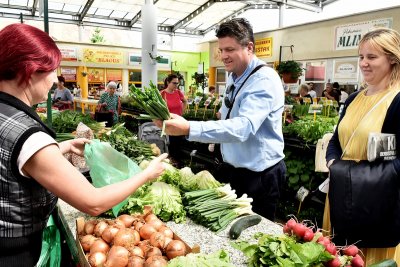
[302, 193]
[216, 102]
[197, 100]
[190, 101]
[207, 102]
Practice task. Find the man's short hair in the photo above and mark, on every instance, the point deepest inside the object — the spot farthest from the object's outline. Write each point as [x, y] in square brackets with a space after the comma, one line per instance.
[238, 28]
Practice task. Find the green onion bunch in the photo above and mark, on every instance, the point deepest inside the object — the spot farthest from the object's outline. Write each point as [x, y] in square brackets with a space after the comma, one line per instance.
[216, 208]
[150, 100]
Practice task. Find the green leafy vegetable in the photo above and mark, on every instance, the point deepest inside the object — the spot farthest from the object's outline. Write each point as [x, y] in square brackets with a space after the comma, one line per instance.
[219, 258]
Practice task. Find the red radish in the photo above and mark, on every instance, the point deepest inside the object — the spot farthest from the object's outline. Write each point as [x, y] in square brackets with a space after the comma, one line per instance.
[357, 261]
[308, 235]
[287, 230]
[333, 263]
[323, 240]
[299, 230]
[351, 250]
[331, 248]
[291, 223]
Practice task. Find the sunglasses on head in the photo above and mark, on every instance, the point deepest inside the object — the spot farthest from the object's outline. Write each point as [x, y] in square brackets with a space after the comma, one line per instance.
[228, 103]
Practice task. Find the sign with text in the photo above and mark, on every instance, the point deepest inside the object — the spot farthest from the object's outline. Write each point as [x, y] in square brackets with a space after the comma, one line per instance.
[113, 75]
[264, 47]
[348, 36]
[68, 53]
[96, 75]
[345, 70]
[102, 56]
[69, 73]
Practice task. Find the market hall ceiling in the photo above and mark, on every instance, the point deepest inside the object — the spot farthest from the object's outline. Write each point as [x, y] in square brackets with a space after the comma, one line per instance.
[195, 17]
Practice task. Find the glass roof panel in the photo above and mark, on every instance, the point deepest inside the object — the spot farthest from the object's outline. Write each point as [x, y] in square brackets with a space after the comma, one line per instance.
[56, 5]
[103, 12]
[4, 2]
[72, 8]
[19, 2]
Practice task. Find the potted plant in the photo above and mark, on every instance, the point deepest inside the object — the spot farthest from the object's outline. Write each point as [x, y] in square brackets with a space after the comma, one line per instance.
[290, 71]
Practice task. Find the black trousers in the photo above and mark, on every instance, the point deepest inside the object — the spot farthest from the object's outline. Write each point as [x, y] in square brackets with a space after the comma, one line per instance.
[264, 187]
[20, 251]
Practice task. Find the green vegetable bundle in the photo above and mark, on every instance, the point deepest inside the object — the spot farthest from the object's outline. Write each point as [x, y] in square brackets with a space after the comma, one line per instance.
[216, 208]
[219, 258]
[283, 251]
[150, 100]
[67, 121]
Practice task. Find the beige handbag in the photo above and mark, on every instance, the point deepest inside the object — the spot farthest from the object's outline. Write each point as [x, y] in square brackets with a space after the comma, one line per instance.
[320, 153]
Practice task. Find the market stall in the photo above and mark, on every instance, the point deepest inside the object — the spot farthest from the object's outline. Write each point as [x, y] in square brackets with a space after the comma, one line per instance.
[193, 234]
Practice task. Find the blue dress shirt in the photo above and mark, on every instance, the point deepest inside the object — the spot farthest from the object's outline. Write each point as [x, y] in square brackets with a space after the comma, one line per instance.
[252, 137]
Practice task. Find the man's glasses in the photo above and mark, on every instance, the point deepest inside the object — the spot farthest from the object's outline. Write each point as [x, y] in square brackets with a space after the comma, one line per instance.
[227, 101]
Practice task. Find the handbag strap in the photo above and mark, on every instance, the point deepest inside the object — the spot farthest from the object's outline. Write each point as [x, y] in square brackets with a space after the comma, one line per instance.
[369, 112]
[233, 100]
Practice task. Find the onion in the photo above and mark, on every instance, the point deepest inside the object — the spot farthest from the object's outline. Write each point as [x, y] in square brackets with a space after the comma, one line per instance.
[118, 224]
[87, 241]
[126, 219]
[117, 257]
[167, 240]
[156, 223]
[99, 246]
[89, 227]
[144, 245]
[146, 231]
[166, 231]
[126, 237]
[151, 217]
[139, 225]
[109, 234]
[175, 248]
[153, 251]
[155, 261]
[136, 251]
[135, 261]
[97, 259]
[99, 228]
[157, 239]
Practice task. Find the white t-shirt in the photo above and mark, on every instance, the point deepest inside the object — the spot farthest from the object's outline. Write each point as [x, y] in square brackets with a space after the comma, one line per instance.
[312, 93]
[343, 96]
[32, 145]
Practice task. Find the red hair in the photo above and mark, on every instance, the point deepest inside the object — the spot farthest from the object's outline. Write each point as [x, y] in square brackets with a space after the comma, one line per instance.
[25, 50]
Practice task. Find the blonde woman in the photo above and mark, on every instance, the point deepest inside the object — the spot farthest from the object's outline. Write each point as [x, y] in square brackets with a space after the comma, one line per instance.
[364, 196]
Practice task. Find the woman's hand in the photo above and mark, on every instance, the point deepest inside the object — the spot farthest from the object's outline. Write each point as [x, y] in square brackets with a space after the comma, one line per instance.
[156, 167]
[76, 146]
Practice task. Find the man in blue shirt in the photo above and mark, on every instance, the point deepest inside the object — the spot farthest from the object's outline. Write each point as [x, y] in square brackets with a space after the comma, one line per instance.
[250, 129]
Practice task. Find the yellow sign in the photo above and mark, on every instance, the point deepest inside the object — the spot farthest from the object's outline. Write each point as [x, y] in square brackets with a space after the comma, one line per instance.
[102, 56]
[264, 47]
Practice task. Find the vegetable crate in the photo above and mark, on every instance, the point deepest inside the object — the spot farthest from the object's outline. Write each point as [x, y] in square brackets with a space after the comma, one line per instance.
[83, 260]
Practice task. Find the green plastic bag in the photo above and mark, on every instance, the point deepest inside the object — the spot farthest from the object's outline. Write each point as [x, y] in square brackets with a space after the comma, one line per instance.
[108, 166]
[50, 255]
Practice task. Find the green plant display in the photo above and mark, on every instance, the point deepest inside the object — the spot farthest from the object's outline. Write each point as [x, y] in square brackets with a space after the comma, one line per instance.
[290, 66]
[97, 37]
[310, 130]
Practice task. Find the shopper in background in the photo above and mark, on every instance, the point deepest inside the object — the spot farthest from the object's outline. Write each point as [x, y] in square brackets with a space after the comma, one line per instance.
[250, 129]
[304, 93]
[78, 91]
[110, 102]
[311, 90]
[175, 99]
[62, 98]
[374, 186]
[330, 93]
[343, 96]
[176, 103]
[33, 170]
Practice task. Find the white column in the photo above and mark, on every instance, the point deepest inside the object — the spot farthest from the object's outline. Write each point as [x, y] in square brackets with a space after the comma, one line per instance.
[149, 43]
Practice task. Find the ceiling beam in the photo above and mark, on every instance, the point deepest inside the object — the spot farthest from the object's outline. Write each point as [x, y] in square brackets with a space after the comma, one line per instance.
[195, 13]
[34, 6]
[301, 5]
[85, 9]
[138, 16]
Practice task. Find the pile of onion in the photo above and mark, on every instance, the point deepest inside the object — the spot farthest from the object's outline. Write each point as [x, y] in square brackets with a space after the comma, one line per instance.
[129, 241]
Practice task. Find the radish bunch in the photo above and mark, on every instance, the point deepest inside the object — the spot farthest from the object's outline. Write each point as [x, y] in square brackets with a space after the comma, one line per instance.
[344, 256]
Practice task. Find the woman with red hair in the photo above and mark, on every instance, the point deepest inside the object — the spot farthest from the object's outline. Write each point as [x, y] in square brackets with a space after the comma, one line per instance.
[33, 170]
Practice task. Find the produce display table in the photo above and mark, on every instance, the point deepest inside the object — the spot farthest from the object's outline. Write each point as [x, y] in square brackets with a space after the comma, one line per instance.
[91, 103]
[193, 234]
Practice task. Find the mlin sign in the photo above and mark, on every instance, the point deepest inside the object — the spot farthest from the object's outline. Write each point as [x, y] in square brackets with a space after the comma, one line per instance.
[348, 36]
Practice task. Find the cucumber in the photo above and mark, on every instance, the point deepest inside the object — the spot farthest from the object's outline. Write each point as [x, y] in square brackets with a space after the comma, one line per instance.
[243, 223]
[385, 263]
